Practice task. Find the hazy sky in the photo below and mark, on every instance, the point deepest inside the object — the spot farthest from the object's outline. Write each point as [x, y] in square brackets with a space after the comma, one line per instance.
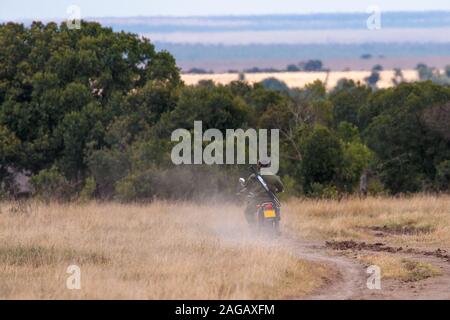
[32, 9]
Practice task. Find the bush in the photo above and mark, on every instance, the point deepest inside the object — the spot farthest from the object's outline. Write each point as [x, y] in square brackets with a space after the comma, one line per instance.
[443, 176]
[375, 188]
[89, 189]
[291, 187]
[324, 191]
[194, 183]
[107, 167]
[136, 186]
[51, 184]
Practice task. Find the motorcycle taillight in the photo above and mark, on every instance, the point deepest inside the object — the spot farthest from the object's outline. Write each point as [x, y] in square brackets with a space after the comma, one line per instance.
[268, 206]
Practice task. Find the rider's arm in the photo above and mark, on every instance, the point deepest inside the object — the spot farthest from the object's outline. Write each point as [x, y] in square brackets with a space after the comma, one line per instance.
[249, 179]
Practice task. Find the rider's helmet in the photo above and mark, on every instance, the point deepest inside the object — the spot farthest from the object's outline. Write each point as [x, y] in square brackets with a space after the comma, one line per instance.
[263, 163]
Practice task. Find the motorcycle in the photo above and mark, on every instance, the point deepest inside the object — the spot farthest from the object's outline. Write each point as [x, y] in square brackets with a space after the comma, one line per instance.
[267, 213]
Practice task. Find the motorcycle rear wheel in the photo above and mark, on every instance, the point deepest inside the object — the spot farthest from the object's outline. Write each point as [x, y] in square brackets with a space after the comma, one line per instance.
[270, 227]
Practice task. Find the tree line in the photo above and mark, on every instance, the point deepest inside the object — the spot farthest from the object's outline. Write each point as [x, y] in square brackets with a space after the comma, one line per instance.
[89, 113]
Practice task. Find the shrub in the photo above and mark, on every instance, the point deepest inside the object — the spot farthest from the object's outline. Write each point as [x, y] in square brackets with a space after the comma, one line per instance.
[291, 187]
[375, 187]
[443, 176]
[89, 189]
[324, 191]
[107, 167]
[51, 184]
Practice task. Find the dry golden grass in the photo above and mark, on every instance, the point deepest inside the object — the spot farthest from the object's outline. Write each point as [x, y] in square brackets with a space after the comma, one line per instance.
[421, 221]
[300, 79]
[155, 251]
[187, 251]
[399, 268]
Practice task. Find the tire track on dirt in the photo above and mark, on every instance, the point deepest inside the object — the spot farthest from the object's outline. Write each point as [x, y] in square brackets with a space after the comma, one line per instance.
[432, 288]
[349, 278]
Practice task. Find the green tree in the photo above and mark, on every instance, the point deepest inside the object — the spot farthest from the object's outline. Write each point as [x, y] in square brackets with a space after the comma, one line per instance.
[347, 99]
[215, 106]
[373, 79]
[274, 84]
[62, 91]
[356, 158]
[406, 146]
[322, 158]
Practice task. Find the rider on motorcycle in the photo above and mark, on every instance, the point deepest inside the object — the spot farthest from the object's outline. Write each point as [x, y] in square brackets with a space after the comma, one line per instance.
[260, 195]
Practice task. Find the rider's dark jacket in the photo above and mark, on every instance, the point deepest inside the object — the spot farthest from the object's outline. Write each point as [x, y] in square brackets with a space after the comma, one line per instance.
[273, 182]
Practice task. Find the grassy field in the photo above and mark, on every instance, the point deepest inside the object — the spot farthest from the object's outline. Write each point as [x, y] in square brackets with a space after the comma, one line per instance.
[189, 251]
[420, 221]
[300, 79]
[156, 251]
[393, 267]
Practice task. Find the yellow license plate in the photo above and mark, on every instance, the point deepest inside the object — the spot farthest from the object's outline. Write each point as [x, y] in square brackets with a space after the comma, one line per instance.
[270, 214]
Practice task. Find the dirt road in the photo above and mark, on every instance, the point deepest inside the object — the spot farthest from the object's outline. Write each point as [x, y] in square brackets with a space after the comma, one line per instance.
[351, 277]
